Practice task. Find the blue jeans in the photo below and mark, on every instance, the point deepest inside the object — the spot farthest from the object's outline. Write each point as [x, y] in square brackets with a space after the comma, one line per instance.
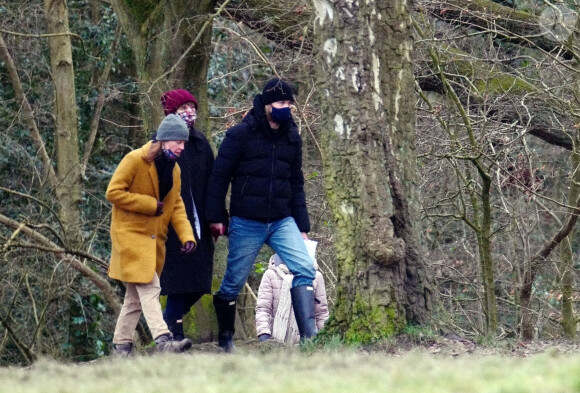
[246, 238]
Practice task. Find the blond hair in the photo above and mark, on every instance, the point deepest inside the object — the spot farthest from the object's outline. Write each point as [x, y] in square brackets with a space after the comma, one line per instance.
[154, 151]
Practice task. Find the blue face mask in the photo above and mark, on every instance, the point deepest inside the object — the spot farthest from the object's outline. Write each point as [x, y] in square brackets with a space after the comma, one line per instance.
[281, 115]
[169, 155]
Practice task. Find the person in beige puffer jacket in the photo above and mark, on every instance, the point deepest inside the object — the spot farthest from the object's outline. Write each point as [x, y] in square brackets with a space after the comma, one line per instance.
[274, 314]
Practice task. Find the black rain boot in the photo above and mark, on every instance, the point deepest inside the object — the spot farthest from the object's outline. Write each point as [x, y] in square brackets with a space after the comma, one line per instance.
[226, 317]
[303, 304]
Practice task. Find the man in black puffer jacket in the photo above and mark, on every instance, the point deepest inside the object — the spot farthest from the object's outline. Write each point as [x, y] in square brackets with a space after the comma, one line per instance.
[262, 159]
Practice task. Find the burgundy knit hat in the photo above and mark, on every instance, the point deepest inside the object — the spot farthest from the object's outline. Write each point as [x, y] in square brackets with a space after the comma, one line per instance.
[173, 99]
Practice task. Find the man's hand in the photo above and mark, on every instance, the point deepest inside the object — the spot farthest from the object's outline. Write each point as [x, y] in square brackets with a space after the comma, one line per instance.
[217, 229]
[188, 247]
[304, 235]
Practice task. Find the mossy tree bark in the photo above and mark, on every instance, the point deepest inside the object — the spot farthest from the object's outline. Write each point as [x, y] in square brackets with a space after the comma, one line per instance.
[366, 86]
[569, 321]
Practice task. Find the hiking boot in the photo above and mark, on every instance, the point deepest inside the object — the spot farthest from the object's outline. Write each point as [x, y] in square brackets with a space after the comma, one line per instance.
[122, 350]
[164, 343]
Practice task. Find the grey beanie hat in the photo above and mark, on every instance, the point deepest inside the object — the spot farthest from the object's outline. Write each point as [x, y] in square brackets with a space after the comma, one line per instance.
[172, 128]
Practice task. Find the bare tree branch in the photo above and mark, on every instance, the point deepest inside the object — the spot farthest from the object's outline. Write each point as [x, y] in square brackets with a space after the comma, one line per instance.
[506, 23]
[27, 114]
[85, 270]
[100, 101]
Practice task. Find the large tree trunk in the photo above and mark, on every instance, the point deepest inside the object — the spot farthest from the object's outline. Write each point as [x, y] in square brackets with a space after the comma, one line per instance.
[367, 101]
[68, 168]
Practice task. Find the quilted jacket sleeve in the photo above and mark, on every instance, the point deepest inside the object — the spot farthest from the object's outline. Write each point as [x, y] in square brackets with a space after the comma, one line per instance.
[265, 304]
[298, 204]
[320, 301]
[221, 175]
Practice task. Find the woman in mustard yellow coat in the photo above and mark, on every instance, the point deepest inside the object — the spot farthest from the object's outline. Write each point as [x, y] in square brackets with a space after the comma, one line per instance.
[145, 191]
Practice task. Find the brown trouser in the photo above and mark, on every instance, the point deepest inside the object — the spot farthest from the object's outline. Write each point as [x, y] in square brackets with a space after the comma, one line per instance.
[140, 298]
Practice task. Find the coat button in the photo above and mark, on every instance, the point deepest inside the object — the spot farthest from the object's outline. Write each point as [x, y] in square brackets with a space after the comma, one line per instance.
[152, 236]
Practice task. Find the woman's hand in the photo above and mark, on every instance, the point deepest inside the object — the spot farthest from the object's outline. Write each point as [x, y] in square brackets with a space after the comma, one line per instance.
[188, 247]
[159, 210]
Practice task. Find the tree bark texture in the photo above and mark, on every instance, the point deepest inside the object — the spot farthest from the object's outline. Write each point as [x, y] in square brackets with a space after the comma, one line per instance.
[285, 22]
[569, 320]
[484, 234]
[367, 100]
[68, 166]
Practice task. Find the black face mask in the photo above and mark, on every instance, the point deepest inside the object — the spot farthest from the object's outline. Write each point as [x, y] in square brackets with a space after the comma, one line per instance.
[281, 115]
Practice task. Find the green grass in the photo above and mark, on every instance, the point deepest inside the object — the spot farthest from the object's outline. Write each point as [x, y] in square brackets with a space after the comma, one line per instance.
[291, 370]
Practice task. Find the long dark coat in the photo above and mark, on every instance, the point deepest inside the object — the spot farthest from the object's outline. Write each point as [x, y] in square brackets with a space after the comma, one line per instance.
[191, 273]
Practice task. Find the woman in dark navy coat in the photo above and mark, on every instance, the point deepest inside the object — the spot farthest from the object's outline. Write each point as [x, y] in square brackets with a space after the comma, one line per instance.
[186, 278]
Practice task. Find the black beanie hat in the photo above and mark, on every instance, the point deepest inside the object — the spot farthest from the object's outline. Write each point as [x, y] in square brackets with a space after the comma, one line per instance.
[276, 90]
